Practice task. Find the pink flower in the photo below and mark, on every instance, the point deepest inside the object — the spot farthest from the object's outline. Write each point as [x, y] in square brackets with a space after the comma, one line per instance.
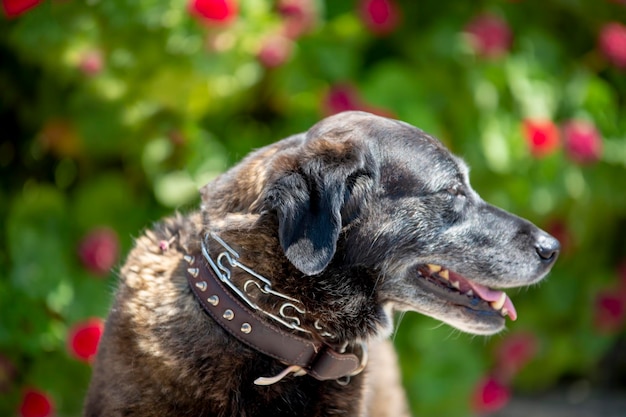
[490, 36]
[344, 97]
[582, 141]
[612, 43]
[99, 250]
[514, 352]
[610, 311]
[381, 17]
[15, 8]
[36, 403]
[91, 63]
[341, 97]
[83, 339]
[299, 17]
[275, 51]
[542, 136]
[217, 12]
[489, 395]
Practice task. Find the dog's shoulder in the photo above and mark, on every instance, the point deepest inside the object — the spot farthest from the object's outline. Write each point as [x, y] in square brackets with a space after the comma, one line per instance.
[153, 291]
[154, 318]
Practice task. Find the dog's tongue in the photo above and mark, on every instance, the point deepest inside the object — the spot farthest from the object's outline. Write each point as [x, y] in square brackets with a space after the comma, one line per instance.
[485, 293]
[490, 295]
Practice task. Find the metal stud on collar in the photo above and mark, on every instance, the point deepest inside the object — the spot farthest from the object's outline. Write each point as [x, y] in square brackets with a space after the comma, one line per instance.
[213, 300]
[228, 314]
[202, 285]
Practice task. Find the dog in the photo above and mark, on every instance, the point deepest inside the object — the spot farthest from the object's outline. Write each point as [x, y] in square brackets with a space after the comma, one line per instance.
[276, 297]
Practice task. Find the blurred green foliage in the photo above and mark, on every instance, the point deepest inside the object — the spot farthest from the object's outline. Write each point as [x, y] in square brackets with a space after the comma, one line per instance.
[114, 112]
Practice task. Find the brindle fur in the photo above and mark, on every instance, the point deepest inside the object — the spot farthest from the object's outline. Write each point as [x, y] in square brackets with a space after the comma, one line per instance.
[339, 218]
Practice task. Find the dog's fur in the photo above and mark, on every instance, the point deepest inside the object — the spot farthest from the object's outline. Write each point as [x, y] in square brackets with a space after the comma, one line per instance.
[340, 217]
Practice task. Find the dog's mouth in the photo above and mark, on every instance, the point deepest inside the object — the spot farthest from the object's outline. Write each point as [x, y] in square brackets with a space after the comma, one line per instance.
[461, 291]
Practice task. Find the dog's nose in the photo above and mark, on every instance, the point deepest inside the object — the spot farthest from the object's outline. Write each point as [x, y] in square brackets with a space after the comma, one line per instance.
[547, 248]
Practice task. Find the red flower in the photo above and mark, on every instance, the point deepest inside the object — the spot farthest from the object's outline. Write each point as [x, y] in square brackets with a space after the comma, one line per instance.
[299, 16]
[582, 141]
[610, 311]
[514, 352]
[36, 403]
[275, 51]
[214, 11]
[612, 43]
[542, 136]
[14, 8]
[490, 36]
[83, 339]
[381, 17]
[489, 396]
[98, 250]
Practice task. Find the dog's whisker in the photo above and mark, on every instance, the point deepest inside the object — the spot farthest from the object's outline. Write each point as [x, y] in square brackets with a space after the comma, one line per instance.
[438, 325]
[397, 325]
[454, 334]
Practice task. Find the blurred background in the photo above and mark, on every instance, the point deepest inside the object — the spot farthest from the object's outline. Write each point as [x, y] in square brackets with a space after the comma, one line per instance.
[113, 113]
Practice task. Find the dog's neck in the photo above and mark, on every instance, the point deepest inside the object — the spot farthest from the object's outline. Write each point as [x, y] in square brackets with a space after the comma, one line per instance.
[341, 302]
[271, 331]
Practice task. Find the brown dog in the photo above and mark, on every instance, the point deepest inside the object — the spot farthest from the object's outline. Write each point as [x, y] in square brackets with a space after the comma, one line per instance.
[269, 299]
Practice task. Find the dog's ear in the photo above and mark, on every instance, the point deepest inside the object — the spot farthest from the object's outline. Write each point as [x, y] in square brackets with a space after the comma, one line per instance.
[311, 197]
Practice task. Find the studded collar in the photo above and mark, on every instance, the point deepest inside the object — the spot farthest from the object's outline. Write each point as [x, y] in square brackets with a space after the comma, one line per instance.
[235, 312]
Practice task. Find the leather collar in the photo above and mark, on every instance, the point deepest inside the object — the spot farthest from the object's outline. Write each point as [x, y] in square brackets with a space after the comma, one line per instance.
[301, 355]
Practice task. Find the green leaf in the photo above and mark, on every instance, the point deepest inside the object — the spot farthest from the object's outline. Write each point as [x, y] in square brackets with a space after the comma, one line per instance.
[108, 200]
[37, 238]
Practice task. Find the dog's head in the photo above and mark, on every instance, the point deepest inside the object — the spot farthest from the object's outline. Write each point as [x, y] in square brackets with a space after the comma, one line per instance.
[381, 197]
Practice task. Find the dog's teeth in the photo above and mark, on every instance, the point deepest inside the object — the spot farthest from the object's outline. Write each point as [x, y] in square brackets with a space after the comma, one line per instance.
[433, 268]
[497, 305]
[504, 312]
[456, 284]
[470, 293]
[445, 274]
